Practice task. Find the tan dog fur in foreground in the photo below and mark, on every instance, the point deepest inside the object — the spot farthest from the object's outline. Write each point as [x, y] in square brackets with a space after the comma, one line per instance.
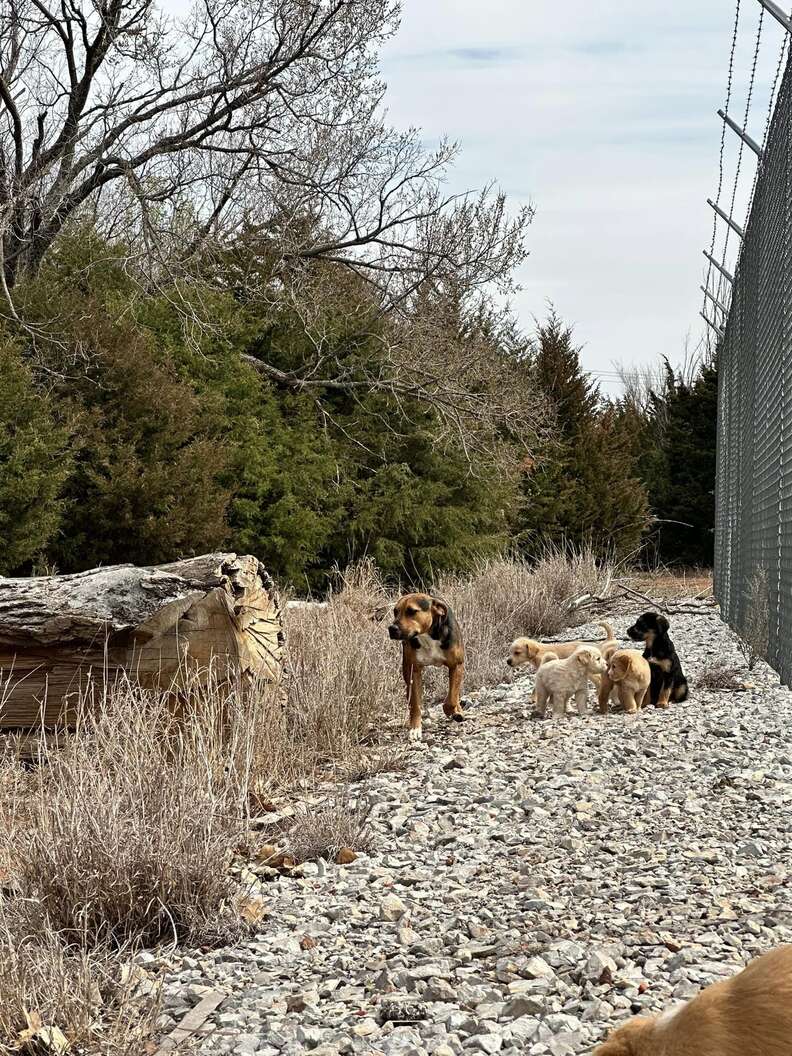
[748, 1015]
[628, 679]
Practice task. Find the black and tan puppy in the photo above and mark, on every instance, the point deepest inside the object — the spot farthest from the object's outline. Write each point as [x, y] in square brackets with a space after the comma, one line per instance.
[430, 638]
[668, 680]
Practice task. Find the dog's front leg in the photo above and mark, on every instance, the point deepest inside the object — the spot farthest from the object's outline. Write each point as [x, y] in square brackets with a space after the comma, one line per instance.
[413, 677]
[452, 705]
[603, 694]
[558, 704]
[581, 701]
[628, 700]
[664, 696]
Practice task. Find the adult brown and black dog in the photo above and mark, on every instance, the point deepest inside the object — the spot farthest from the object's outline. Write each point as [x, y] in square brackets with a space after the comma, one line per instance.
[430, 637]
[747, 1015]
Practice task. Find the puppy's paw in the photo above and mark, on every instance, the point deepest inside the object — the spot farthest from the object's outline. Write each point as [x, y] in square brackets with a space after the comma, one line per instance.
[415, 734]
[458, 716]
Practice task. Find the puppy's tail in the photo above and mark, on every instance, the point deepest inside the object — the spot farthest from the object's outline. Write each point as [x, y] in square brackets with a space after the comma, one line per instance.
[548, 656]
[609, 632]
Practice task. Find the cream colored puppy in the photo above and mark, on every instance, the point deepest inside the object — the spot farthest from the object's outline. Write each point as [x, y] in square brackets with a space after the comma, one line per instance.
[558, 680]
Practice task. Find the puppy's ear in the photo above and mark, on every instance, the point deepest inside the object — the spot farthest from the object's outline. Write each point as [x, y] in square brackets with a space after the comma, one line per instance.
[662, 624]
[584, 657]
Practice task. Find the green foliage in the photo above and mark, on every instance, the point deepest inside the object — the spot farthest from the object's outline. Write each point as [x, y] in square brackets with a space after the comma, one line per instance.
[585, 490]
[34, 464]
[681, 483]
[177, 445]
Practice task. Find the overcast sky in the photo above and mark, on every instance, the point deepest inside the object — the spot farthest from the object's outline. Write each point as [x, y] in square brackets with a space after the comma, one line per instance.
[603, 116]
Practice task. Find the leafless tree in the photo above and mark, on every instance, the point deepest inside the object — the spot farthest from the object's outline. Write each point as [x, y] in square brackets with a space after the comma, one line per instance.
[263, 107]
[177, 136]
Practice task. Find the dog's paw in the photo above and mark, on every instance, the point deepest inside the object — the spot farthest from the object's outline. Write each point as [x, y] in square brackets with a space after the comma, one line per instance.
[415, 735]
[458, 716]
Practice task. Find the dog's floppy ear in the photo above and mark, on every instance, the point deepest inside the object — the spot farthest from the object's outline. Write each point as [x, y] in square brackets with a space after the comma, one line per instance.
[618, 666]
[440, 628]
[584, 656]
[662, 624]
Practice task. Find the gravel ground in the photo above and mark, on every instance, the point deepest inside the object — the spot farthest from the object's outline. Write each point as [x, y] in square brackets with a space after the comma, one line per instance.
[532, 882]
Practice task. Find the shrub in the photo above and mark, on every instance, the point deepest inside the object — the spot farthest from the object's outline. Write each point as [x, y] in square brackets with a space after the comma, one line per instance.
[132, 821]
[324, 829]
[34, 464]
[510, 597]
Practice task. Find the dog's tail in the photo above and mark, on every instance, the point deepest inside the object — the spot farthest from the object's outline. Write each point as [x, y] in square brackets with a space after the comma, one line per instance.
[609, 650]
[548, 656]
[609, 632]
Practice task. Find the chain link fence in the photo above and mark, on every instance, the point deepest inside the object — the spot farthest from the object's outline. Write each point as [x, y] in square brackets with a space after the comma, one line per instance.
[753, 521]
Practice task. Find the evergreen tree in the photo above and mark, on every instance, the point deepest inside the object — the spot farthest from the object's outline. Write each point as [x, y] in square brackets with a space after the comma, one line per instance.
[684, 418]
[34, 465]
[585, 490]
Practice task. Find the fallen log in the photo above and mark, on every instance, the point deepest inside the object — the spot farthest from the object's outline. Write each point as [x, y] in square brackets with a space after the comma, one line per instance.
[157, 626]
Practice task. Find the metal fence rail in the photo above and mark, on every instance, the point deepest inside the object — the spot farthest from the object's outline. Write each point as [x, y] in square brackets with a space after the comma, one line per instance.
[753, 520]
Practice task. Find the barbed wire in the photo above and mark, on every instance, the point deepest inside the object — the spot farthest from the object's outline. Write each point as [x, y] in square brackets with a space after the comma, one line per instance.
[769, 116]
[729, 83]
[724, 286]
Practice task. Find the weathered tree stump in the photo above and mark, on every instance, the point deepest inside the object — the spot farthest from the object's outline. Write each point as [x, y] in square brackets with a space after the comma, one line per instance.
[158, 626]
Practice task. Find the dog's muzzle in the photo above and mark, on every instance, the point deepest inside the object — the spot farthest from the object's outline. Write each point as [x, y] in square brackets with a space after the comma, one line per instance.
[394, 632]
[635, 634]
[509, 661]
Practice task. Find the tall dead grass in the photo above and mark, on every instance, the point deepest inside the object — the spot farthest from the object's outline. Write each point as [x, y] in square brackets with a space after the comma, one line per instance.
[123, 835]
[131, 820]
[343, 677]
[48, 984]
[507, 597]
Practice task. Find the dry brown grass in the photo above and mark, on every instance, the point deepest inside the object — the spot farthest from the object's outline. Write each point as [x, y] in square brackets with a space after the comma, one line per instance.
[343, 679]
[507, 598]
[130, 823]
[672, 583]
[754, 637]
[46, 980]
[720, 676]
[322, 830]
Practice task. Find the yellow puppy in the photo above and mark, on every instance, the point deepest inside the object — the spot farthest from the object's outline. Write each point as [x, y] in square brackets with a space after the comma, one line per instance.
[748, 1015]
[628, 678]
[529, 651]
